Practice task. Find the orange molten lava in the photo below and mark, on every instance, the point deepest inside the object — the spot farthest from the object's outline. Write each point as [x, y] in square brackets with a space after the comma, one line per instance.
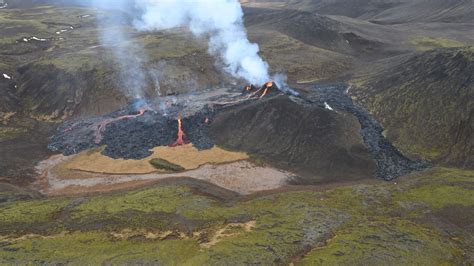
[269, 84]
[140, 112]
[253, 92]
[180, 139]
[265, 88]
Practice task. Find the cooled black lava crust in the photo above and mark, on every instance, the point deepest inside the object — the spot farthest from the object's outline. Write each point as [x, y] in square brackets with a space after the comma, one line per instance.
[132, 138]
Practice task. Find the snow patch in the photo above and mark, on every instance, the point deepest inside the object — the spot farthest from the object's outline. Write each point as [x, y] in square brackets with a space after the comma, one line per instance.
[6, 76]
[326, 105]
[33, 38]
[38, 39]
[348, 88]
[61, 31]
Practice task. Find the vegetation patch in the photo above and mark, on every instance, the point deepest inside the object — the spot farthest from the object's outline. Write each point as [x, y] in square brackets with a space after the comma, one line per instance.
[8, 133]
[429, 43]
[257, 160]
[163, 164]
[438, 196]
[29, 214]
[100, 248]
[387, 242]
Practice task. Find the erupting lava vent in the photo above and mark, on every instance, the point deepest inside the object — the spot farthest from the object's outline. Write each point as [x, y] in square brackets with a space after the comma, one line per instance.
[181, 137]
[265, 89]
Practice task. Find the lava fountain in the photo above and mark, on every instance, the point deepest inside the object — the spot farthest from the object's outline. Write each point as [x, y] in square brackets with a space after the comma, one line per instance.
[259, 93]
[180, 139]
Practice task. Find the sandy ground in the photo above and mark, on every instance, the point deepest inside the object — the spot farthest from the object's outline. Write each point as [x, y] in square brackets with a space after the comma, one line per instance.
[241, 176]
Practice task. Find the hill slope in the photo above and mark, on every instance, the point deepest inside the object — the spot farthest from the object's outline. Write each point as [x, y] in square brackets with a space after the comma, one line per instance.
[425, 104]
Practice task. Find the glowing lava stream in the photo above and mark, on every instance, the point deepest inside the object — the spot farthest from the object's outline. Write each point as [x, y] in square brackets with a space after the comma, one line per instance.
[100, 127]
[180, 139]
[265, 87]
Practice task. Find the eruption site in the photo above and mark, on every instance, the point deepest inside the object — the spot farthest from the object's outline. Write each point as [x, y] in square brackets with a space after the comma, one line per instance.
[254, 92]
[132, 132]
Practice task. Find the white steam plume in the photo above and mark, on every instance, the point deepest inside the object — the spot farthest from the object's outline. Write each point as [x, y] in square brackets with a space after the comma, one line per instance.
[129, 56]
[221, 21]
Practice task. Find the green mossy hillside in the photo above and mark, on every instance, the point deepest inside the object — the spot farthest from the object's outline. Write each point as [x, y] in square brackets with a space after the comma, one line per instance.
[425, 104]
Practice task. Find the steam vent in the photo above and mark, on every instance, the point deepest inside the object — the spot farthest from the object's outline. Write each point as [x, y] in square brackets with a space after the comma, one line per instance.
[231, 132]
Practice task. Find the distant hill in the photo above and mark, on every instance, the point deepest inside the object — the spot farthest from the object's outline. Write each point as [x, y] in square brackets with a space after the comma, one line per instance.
[342, 36]
[383, 11]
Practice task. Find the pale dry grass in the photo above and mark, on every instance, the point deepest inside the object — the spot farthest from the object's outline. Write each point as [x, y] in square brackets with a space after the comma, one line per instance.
[186, 156]
[5, 117]
[150, 235]
[229, 230]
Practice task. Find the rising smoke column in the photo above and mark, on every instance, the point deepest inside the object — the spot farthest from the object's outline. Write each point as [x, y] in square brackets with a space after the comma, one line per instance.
[129, 56]
[221, 21]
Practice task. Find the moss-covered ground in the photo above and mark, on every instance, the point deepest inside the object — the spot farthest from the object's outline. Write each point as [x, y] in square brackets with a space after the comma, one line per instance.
[429, 43]
[376, 223]
[7, 133]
